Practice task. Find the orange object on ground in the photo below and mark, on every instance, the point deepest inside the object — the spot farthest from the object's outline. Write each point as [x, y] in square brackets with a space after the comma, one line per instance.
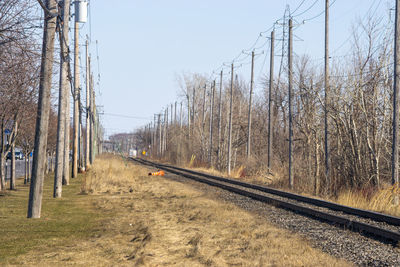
[158, 173]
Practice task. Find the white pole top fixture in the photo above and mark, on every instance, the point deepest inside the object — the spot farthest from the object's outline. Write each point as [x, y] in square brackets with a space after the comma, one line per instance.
[81, 11]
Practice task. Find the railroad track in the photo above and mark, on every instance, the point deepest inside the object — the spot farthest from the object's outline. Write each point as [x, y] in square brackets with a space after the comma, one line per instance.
[375, 225]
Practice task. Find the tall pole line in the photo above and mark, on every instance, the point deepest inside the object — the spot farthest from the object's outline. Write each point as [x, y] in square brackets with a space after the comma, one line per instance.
[250, 99]
[327, 92]
[271, 86]
[43, 112]
[230, 125]
[290, 66]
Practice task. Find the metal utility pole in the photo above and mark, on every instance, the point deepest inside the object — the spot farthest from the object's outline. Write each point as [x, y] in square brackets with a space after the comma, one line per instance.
[290, 65]
[219, 118]
[327, 97]
[211, 123]
[76, 103]
[87, 147]
[396, 91]
[271, 86]
[62, 102]
[250, 98]
[42, 121]
[230, 125]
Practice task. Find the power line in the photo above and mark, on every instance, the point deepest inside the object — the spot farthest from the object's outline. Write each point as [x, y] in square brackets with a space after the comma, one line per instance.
[125, 116]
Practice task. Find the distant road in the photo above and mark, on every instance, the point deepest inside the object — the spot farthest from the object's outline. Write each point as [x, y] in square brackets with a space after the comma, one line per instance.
[19, 168]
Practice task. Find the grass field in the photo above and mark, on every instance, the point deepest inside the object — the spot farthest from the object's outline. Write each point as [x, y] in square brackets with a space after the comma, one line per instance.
[62, 220]
[116, 215]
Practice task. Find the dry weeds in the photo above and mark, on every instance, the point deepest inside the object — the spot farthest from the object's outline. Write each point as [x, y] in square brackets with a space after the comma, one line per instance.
[381, 201]
[159, 222]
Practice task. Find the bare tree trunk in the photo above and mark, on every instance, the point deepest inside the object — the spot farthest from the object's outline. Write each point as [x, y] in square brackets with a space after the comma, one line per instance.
[12, 176]
[3, 174]
[42, 122]
[29, 169]
[26, 168]
[317, 163]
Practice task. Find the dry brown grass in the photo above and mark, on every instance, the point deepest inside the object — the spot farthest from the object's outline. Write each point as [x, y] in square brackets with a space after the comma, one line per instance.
[159, 222]
[381, 201]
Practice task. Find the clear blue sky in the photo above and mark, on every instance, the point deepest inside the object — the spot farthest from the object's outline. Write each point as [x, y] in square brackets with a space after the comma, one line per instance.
[143, 44]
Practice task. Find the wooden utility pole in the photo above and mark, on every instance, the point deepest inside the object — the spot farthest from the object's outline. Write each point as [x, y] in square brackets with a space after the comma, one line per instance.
[203, 124]
[91, 119]
[230, 125]
[62, 102]
[396, 91]
[327, 96]
[290, 65]
[159, 135]
[180, 117]
[42, 121]
[172, 113]
[193, 112]
[76, 104]
[211, 123]
[166, 130]
[87, 147]
[66, 171]
[271, 86]
[188, 114]
[219, 118]
[250, 98]
[175, 112]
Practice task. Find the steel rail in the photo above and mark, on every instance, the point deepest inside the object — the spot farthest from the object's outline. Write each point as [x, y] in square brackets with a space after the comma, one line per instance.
[370, 230]
[317, 202]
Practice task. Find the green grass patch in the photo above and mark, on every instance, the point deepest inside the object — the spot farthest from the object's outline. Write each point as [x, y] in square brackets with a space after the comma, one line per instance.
[63, 221]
